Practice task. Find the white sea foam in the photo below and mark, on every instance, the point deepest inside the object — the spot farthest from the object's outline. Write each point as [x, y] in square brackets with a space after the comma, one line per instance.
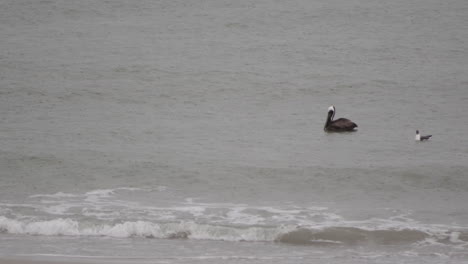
[56, 195]
[68, 227]
[96, 195]
[61, 209]
[48, 228]
[193, 230]
[117, 205]
[113, 213]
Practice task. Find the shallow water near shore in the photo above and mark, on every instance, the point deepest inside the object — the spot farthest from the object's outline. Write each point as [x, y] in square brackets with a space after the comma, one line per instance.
[177, 132]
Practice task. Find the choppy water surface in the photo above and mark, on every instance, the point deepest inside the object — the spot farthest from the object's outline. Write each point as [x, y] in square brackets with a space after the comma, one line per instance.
[177, 132]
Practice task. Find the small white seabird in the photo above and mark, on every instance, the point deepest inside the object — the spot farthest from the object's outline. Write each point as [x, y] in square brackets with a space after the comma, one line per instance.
[421, 138]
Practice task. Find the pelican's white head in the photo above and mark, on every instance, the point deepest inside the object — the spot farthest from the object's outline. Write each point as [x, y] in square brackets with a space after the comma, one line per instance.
[331, 112]
[418, 136]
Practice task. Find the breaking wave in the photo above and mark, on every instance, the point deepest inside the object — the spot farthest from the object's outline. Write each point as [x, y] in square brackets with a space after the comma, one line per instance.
[338, 235]
[122, 213]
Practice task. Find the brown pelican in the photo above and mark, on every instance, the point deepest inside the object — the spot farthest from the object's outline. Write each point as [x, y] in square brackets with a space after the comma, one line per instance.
[421, 138]
[339, 125]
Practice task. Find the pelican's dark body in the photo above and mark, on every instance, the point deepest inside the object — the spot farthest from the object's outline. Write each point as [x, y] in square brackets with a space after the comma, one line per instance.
[339, 125]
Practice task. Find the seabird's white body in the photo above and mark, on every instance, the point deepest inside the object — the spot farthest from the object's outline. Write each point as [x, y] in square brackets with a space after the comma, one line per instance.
[418, 136]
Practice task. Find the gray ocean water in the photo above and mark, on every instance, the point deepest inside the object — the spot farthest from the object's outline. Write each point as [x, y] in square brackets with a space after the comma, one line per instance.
[192, 131]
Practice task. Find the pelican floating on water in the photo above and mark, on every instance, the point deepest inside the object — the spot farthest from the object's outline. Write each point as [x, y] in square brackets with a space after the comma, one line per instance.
[339, 125]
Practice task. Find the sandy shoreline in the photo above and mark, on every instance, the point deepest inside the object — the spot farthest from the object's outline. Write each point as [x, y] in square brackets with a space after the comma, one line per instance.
[31, 261]
[70, 260]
